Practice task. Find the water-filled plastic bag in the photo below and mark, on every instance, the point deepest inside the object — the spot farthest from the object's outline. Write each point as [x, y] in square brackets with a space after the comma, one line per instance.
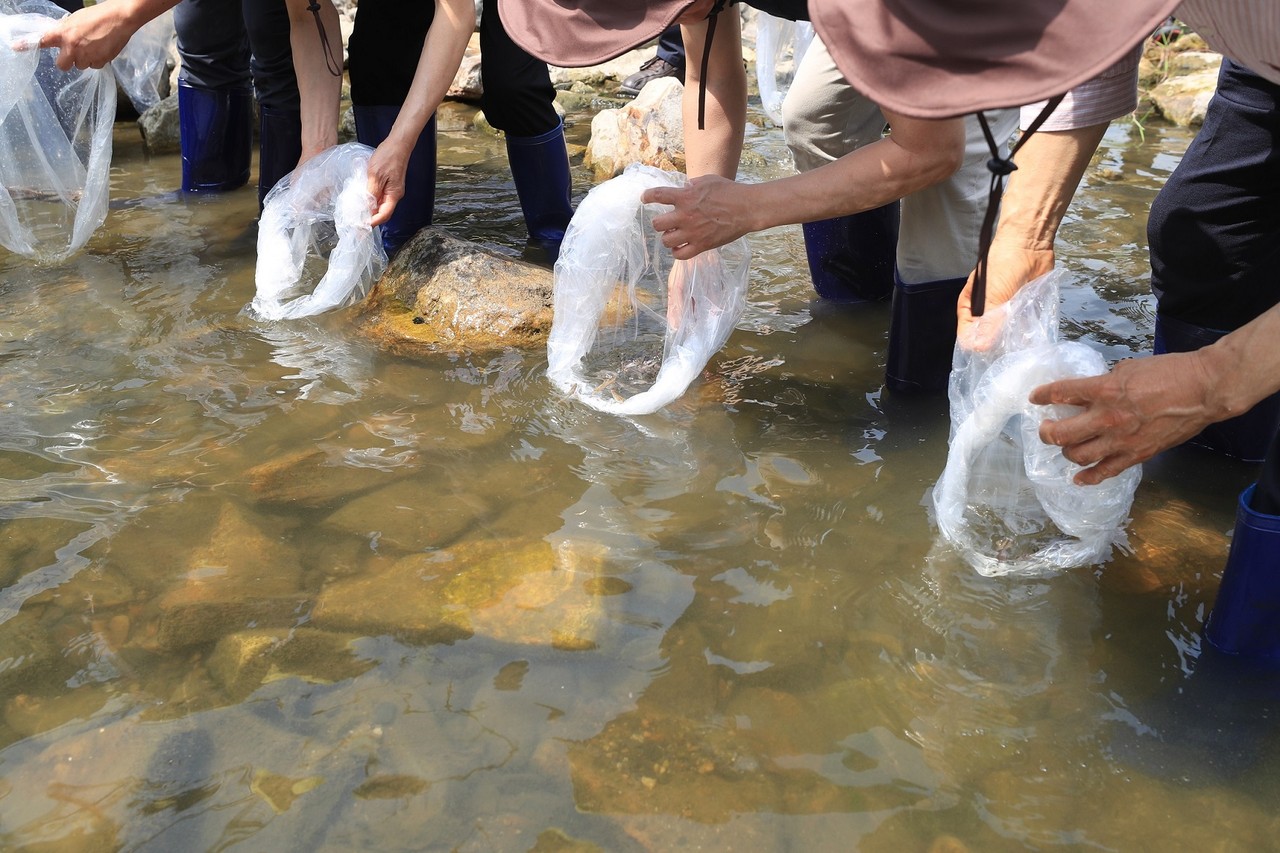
[142, 66]
[1006, 500]
[780, 45]
[632, 326]
[316, 249]
[55, 141]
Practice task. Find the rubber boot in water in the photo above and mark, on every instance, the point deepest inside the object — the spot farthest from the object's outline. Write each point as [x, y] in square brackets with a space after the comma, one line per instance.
[851, 258]
[1243, 437]
[279, 147]
[540, 167]
[922, 334]
[216, 128]
[1246, 615]
[414, 211]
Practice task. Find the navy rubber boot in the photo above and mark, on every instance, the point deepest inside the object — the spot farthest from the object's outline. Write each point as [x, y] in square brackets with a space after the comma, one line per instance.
[414, 211]
[279, 147]
[851, 258]
[1243, 437]
[922, 334]
[1246, 615]
[216, 128]
[540, 167]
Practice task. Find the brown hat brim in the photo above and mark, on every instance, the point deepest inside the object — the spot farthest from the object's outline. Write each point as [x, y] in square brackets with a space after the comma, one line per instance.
[939, 58]
[578, 33]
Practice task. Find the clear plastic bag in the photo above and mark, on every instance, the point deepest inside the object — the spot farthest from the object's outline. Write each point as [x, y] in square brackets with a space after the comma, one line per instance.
[1006, 500]
[780, 45]
[633, 327]
[142, 67]
[316, 249]
[55, 141]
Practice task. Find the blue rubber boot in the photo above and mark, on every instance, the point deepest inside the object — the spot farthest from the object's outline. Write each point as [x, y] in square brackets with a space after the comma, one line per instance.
[1243, 437]
[216, 127]
[922, 334]
[414, 211]
[851, 258]
[540, 167]
[1246, 615]
[279, 147]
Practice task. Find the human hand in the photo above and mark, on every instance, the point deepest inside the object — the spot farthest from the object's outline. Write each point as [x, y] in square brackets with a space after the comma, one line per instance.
[387, 169]
[90, 37]
[1143, 406]
[1009, 268]
[709, 212]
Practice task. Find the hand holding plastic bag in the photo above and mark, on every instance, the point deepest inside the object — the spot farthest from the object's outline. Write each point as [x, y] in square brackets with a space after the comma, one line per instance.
[316, 249]
[55, 141]
[1006, 499]
[633, 327]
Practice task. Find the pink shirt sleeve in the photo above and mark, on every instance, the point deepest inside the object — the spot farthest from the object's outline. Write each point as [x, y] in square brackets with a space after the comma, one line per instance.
[1110, 95]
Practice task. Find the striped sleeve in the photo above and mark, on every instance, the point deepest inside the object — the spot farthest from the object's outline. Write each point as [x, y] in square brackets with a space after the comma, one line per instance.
[1110, 95]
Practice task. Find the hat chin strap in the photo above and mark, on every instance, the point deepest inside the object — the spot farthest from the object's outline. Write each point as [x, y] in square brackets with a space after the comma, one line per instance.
[712, 17]
[1000, 168]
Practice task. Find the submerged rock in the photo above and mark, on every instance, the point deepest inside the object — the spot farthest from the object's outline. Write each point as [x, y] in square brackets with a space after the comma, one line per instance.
[442, 293]
[159, 127]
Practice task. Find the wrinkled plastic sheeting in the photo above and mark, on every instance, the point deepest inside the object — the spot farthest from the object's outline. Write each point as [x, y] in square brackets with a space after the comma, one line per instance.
[55, 141]
[1006, 500]
[143, 65]
[780, 45]
[632, 326]
[316, 248]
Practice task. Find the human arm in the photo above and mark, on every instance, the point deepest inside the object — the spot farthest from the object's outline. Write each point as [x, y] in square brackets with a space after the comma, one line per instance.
[1050, 165]
[716, 147]
[93, 36]
[319, 89]
[711, 210]
[1146, 405]
[441, 55]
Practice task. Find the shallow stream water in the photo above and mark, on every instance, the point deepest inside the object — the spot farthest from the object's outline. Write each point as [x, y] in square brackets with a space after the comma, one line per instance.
[264, 587]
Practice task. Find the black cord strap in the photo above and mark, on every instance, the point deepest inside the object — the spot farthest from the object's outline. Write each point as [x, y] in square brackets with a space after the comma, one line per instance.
[712, 17]
[331, 62]
[1000, 168]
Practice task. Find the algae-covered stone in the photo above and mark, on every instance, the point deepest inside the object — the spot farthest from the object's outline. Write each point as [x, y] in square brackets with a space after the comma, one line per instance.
[28, 655]
[441, 293]
[243, 661]
[27, 544]
[509, 591]
[239, 577]
[307, 479]
[411, 515]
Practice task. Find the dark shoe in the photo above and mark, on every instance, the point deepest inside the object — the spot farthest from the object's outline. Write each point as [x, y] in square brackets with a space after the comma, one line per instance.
[922, 335]
[651, 70]
[1243, 620]
[216, 136]
[540, 168]
[279, 147]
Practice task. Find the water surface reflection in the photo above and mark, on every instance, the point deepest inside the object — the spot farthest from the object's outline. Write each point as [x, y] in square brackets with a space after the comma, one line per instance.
[265, 587]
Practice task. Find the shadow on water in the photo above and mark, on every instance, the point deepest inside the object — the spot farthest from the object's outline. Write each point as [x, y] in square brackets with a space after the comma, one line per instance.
[263, 586]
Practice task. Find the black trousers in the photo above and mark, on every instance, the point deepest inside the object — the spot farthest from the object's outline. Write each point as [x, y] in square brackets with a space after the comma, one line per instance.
[1214, 229]
[383, 54]
[227, 43]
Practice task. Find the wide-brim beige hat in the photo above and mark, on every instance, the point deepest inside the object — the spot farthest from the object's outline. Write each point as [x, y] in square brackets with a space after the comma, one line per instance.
[578, 33]
[944, 58]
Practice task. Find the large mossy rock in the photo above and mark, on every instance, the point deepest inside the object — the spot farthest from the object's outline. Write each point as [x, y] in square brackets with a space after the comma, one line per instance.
[441, 294]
